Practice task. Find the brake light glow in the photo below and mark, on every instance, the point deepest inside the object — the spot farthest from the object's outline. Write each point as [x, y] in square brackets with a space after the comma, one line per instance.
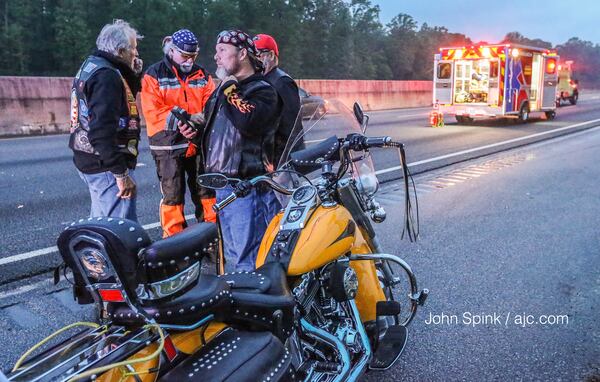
[111, 295]
[551, 66]
[169, 348]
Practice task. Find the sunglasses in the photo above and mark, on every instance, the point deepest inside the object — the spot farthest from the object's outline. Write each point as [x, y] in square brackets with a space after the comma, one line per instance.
[186, 55]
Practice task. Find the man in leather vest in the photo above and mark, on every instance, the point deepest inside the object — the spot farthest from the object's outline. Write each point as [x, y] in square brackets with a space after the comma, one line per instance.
[241, 119]
[177, 83]
[105, 124]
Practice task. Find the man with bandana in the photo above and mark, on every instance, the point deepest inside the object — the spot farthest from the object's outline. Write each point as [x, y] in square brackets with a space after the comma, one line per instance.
[242, 116]
[174, 84]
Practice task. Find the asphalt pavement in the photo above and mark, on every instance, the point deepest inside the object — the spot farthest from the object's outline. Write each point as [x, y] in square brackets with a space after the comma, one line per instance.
[511, 234]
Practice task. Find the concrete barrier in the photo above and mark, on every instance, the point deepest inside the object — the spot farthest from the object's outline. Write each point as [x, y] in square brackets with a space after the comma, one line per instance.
[40, 105]
[373, 95]
[34, 105]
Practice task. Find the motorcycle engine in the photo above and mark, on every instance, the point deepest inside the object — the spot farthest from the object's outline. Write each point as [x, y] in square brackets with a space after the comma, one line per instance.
[343, 282]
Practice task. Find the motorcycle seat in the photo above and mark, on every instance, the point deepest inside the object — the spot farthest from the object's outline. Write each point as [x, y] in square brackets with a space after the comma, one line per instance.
[236, 356]
[190, 243]
[210, 295]
[262, 299]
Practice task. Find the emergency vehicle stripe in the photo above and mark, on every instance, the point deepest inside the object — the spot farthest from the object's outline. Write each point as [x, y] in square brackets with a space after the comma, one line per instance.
[501, 80]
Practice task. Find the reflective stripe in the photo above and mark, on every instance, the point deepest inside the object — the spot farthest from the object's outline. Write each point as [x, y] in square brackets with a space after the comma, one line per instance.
[170, 124]
[174, 147]
[168, 83]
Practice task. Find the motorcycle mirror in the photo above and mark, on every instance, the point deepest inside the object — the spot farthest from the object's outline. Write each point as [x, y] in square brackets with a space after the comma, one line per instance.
[361, 117]
[213, 180]
[358, 113]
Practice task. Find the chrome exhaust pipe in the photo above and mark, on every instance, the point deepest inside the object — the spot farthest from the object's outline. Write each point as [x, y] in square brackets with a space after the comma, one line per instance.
[362, 364]
[334, 342]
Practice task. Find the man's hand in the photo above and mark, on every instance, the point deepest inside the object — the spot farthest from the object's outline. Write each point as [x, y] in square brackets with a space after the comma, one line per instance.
[186, 130]
[127, 187]
[198, 119]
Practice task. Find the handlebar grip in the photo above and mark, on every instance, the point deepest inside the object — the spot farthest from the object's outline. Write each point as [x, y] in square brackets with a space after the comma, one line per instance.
[224, 203]
[377, 141]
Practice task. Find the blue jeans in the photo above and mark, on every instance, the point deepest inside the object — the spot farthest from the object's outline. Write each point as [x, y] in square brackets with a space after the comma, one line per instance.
[243, 224]
[103, 192]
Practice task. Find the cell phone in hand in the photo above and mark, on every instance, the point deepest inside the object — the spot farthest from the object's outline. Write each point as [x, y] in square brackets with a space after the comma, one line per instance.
[184, 117]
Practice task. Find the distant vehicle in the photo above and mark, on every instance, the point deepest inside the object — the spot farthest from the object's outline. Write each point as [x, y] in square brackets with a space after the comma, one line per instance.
[567, 86]
[312, 105]
[504, 80]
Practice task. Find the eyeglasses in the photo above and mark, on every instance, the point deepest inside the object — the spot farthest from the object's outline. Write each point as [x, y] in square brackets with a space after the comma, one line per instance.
[186, 55]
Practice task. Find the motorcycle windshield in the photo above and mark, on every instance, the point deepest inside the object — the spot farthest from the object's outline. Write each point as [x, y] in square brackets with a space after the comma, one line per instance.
[313, 139]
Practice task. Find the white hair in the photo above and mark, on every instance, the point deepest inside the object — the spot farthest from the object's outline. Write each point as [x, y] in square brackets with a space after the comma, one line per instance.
[167, 44]
[115, 37]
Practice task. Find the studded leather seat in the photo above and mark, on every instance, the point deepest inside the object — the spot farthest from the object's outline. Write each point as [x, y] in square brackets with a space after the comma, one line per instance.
[236, 356]
[167, 257]
[262, 299]
[210, 295]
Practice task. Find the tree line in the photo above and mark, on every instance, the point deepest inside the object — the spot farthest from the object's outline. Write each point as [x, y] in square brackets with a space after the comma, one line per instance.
[318, 39]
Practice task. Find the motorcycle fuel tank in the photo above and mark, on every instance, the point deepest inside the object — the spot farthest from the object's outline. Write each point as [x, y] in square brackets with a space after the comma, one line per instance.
[328, 234]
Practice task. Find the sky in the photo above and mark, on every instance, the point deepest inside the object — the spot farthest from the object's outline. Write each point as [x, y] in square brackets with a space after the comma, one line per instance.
[552, 20]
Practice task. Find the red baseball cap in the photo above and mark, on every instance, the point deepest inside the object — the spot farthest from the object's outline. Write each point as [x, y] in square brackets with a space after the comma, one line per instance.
[264, 41]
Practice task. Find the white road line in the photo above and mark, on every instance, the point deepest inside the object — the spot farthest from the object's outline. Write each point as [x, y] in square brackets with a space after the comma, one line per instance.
[45, 251]
[384, 171]
[27, 288]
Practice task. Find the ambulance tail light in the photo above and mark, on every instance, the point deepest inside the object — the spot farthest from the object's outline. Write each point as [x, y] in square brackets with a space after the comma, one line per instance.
[551, 66]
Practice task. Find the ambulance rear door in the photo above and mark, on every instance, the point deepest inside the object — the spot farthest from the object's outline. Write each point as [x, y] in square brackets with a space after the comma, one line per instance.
[550, 82]
[443, 75]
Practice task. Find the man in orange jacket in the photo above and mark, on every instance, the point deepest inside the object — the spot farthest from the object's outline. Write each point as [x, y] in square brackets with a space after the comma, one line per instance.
[177, 82]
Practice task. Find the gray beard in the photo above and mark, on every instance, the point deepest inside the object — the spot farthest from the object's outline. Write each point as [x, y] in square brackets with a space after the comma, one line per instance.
[185, 68]
[221, 73]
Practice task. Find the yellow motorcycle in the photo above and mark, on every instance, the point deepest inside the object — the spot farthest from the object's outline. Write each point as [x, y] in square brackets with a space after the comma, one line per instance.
[322, 305]
[348, 317]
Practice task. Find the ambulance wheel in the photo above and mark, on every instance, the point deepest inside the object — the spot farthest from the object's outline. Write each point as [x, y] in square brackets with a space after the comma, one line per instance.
[573, 99]
[550, 115]
[460, 119]
[524, 113]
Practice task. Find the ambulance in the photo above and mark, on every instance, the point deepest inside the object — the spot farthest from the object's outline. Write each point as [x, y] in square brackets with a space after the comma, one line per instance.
[567, 85]
[504, 80]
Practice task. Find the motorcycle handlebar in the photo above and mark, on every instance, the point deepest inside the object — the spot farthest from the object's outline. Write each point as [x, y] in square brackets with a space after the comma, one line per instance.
[358, 142]
[378, 141]
[254, 181]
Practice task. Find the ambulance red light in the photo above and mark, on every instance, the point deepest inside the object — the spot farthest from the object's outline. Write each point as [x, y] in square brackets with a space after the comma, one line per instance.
[551, 66]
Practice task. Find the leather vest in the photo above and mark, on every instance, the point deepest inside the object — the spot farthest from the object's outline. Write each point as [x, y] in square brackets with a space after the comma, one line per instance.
[226, 151]
[128, 131]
